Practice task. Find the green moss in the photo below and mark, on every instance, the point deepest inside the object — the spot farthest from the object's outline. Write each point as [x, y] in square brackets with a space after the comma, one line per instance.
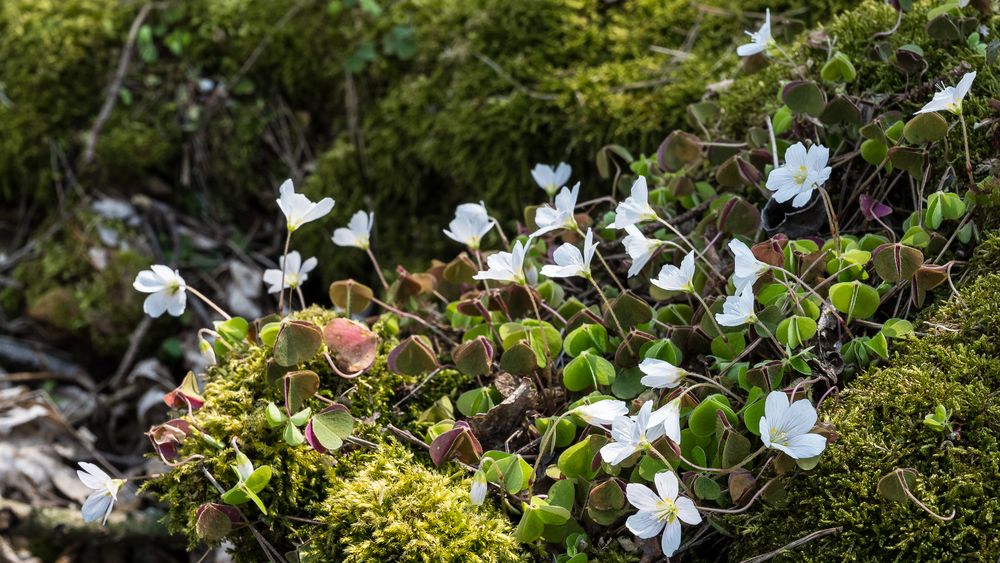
[879, 425]
[393, 509]
[744, 104]
[375, 504]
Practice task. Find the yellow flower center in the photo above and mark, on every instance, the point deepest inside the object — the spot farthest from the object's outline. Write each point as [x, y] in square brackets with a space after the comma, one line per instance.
[778, 437]
[801, 176]
[666, 511]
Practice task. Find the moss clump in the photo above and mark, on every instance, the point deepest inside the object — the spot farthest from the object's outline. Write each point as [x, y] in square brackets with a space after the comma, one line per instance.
[421, 512]
[879, 424]
[394, 509]
[744, 104]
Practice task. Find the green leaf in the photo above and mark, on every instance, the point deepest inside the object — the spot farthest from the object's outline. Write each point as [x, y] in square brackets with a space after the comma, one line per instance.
[530, 527]
[329, 427]
[577, 461]
[508, 469]
[477, 401]
[297, 342]
[703, 417]
[925, 128]
[804, 96]
[413, 356]
[941, 206]
[474, 357]
[586, 337]
[301, 417]
[874, 151]
[782, 121]
[292, 435]
[897, 328]
[916, 236]
[350, 295]
[275, 418]
[588, 370]
[855, 299]
[795, 330]
[245, 491]
[706, 488]
[300, 386]
[897, 262]
[839, 69]
[894, 485]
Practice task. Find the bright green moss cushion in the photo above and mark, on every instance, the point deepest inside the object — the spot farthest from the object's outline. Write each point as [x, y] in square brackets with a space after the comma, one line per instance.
[878, 419]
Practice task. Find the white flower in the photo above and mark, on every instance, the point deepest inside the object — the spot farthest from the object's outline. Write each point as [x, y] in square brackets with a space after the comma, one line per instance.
[759, 40]
[639, 248]
[635, 208]
[167, 288]
[601, 413]
[296, 272]
[950, 98]
[470, 224]
[737, 310]
[634, 433]
[748, 268]
[207, 351]
[802, 172]
[100, 502]
[506, 266]
[569, 261]
[243, 467]
[298, 209]
[672, 278]
[662, 511]
[786, 428]
[560, 217]
[660, 374]
[477, 493]
[551, 180]
[358, 231]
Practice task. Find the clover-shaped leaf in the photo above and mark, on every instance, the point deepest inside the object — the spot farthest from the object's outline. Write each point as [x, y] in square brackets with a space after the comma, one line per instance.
[296, 342]
[413, 356]
[350, 295]
[328, 428]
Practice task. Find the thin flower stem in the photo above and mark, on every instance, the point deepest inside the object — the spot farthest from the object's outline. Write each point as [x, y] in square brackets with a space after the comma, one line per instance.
[922, 505]
[302, 299]
[727, 470]
[656, 453]
[697, 252]
[968, 156]
[284, 265]
[486, 284]
[711, 317]
[208, 302]
[378, 269]
[503, 237]
[713, 383]
[411, 316]
[604, 262]
[831, 217]
[743, 508]
[611, 311]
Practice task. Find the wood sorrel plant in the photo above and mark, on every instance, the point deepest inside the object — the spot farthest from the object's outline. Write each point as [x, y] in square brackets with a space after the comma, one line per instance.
[739, 285]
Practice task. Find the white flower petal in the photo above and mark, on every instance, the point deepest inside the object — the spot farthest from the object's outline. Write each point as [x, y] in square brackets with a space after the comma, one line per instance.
[687, 511]
[642, 497]
[805, 446]
[666, 485]
[97, 506]
[671, 538]
[644, 524]
[799, 418]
